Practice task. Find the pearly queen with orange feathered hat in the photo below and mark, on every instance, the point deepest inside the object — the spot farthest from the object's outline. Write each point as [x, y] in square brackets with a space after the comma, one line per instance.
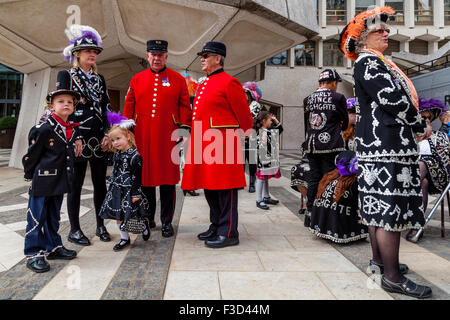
[365, 21]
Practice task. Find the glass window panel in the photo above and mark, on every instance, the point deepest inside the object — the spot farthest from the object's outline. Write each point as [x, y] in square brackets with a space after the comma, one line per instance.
[12, 109]
[305, 54]
[2, 88]
[278, 60]
[398, 6]
[447, 11]
[336, 11]
[362, 5]
[2, 109]
[332, 56]
[423, 11]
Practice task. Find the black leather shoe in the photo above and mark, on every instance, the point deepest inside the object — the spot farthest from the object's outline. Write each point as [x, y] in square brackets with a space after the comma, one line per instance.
[167, 230]
[221, 242]
[122, 244]
[262, 205]
[103, 234]
[79, 238]
[38, 264]
[403, 268]
[62, 253]
[270, 201]
[301, 211]
[193, 193]
[251, 187]
[146, 236]
[408, 288]
[152, 224]
[207, 235]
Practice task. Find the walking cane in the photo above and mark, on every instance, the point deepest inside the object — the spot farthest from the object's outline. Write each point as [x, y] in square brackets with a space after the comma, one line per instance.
[416, 237]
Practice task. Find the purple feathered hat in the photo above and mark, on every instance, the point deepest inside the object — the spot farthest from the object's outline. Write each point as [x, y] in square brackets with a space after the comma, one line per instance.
[254, 90]
[347, 163]
[81, 37]
[434, 106]
[116, 119]
[351, 105]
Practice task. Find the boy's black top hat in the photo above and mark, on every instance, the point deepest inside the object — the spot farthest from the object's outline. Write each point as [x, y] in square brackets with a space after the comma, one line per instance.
[329, 75]
[157, 46]
[76, 96]
[86, 43]
[214, 47]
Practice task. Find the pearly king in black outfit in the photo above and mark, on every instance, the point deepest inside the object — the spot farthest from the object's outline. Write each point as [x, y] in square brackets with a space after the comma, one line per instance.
[125, 184]
[91, 114]
[389, 177]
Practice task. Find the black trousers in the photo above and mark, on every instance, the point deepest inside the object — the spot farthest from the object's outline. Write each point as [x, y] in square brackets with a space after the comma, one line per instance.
[167, 195]
[223, 211]
[98, 175]
[319, 165]
[251, 161]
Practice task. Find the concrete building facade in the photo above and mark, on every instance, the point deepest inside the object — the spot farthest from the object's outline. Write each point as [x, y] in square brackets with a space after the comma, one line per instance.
[420, 31]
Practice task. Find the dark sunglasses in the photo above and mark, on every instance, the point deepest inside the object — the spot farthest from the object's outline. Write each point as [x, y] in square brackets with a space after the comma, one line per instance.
[381, 31]
[426, 117]
[207, 55]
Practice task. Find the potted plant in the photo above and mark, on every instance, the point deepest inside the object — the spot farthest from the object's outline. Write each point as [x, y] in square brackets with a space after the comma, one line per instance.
[7, 131]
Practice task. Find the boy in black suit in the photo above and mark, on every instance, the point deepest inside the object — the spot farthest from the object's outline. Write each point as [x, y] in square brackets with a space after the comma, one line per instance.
[49, 163]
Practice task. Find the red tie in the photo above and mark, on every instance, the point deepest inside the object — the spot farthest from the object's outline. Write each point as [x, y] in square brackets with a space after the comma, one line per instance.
[69, 126]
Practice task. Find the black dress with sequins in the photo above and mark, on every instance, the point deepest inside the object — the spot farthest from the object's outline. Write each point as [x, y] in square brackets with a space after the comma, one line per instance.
[125, 184]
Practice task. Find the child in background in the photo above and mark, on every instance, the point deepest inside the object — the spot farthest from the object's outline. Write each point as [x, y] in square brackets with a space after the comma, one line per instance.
[49, 163]
[267, 129]
[125, 199]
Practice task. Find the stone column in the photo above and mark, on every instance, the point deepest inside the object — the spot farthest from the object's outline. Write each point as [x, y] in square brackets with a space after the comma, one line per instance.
[404, 46]
[291, 57]
[322, 10]
[380, 3]
[351, 4]
[319, 53]
[35, 89]
[438, 13]
[433, 46]
[409, 13]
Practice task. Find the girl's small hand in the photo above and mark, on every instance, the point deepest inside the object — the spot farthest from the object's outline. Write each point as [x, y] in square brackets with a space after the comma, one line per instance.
[106, 143]
[135, 199]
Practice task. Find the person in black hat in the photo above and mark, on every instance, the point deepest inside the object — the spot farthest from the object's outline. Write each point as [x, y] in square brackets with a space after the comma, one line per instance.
[326, 111]
[158, 101]
[221, 105]
[49, 164]
[85, 45]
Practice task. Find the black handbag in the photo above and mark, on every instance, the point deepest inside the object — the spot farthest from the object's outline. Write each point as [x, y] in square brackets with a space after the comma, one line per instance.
[134, 225]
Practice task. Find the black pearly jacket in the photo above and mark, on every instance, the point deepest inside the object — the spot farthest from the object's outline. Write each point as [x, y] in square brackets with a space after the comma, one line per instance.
[49, 159]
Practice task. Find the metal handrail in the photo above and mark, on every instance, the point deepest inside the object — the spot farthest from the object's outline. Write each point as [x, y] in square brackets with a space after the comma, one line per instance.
[429, 66]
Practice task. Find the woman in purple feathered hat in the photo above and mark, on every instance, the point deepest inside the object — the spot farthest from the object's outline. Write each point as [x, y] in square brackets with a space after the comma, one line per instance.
[434, 154]
[85, 43]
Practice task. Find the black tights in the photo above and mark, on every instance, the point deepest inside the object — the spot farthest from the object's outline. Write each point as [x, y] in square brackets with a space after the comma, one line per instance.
[385, 249]
[424, 184]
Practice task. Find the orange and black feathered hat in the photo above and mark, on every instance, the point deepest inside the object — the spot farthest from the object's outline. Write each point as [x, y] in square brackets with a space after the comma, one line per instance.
[353, 30]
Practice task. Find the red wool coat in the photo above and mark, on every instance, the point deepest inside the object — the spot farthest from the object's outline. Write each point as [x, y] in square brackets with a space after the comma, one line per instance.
[220, 106]
[158, 109]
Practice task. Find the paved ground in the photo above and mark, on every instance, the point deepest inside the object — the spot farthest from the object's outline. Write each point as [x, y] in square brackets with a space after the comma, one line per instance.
[277, 258]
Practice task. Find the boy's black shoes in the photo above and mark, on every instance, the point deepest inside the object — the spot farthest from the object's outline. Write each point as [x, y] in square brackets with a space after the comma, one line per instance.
[38, 264]
[122, 244]
[79, 238]
[207, 235]
[103, 234]
[262, 205]
[62, 254]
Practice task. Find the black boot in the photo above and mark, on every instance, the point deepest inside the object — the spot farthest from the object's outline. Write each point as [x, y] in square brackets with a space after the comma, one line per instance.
[251, 187]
